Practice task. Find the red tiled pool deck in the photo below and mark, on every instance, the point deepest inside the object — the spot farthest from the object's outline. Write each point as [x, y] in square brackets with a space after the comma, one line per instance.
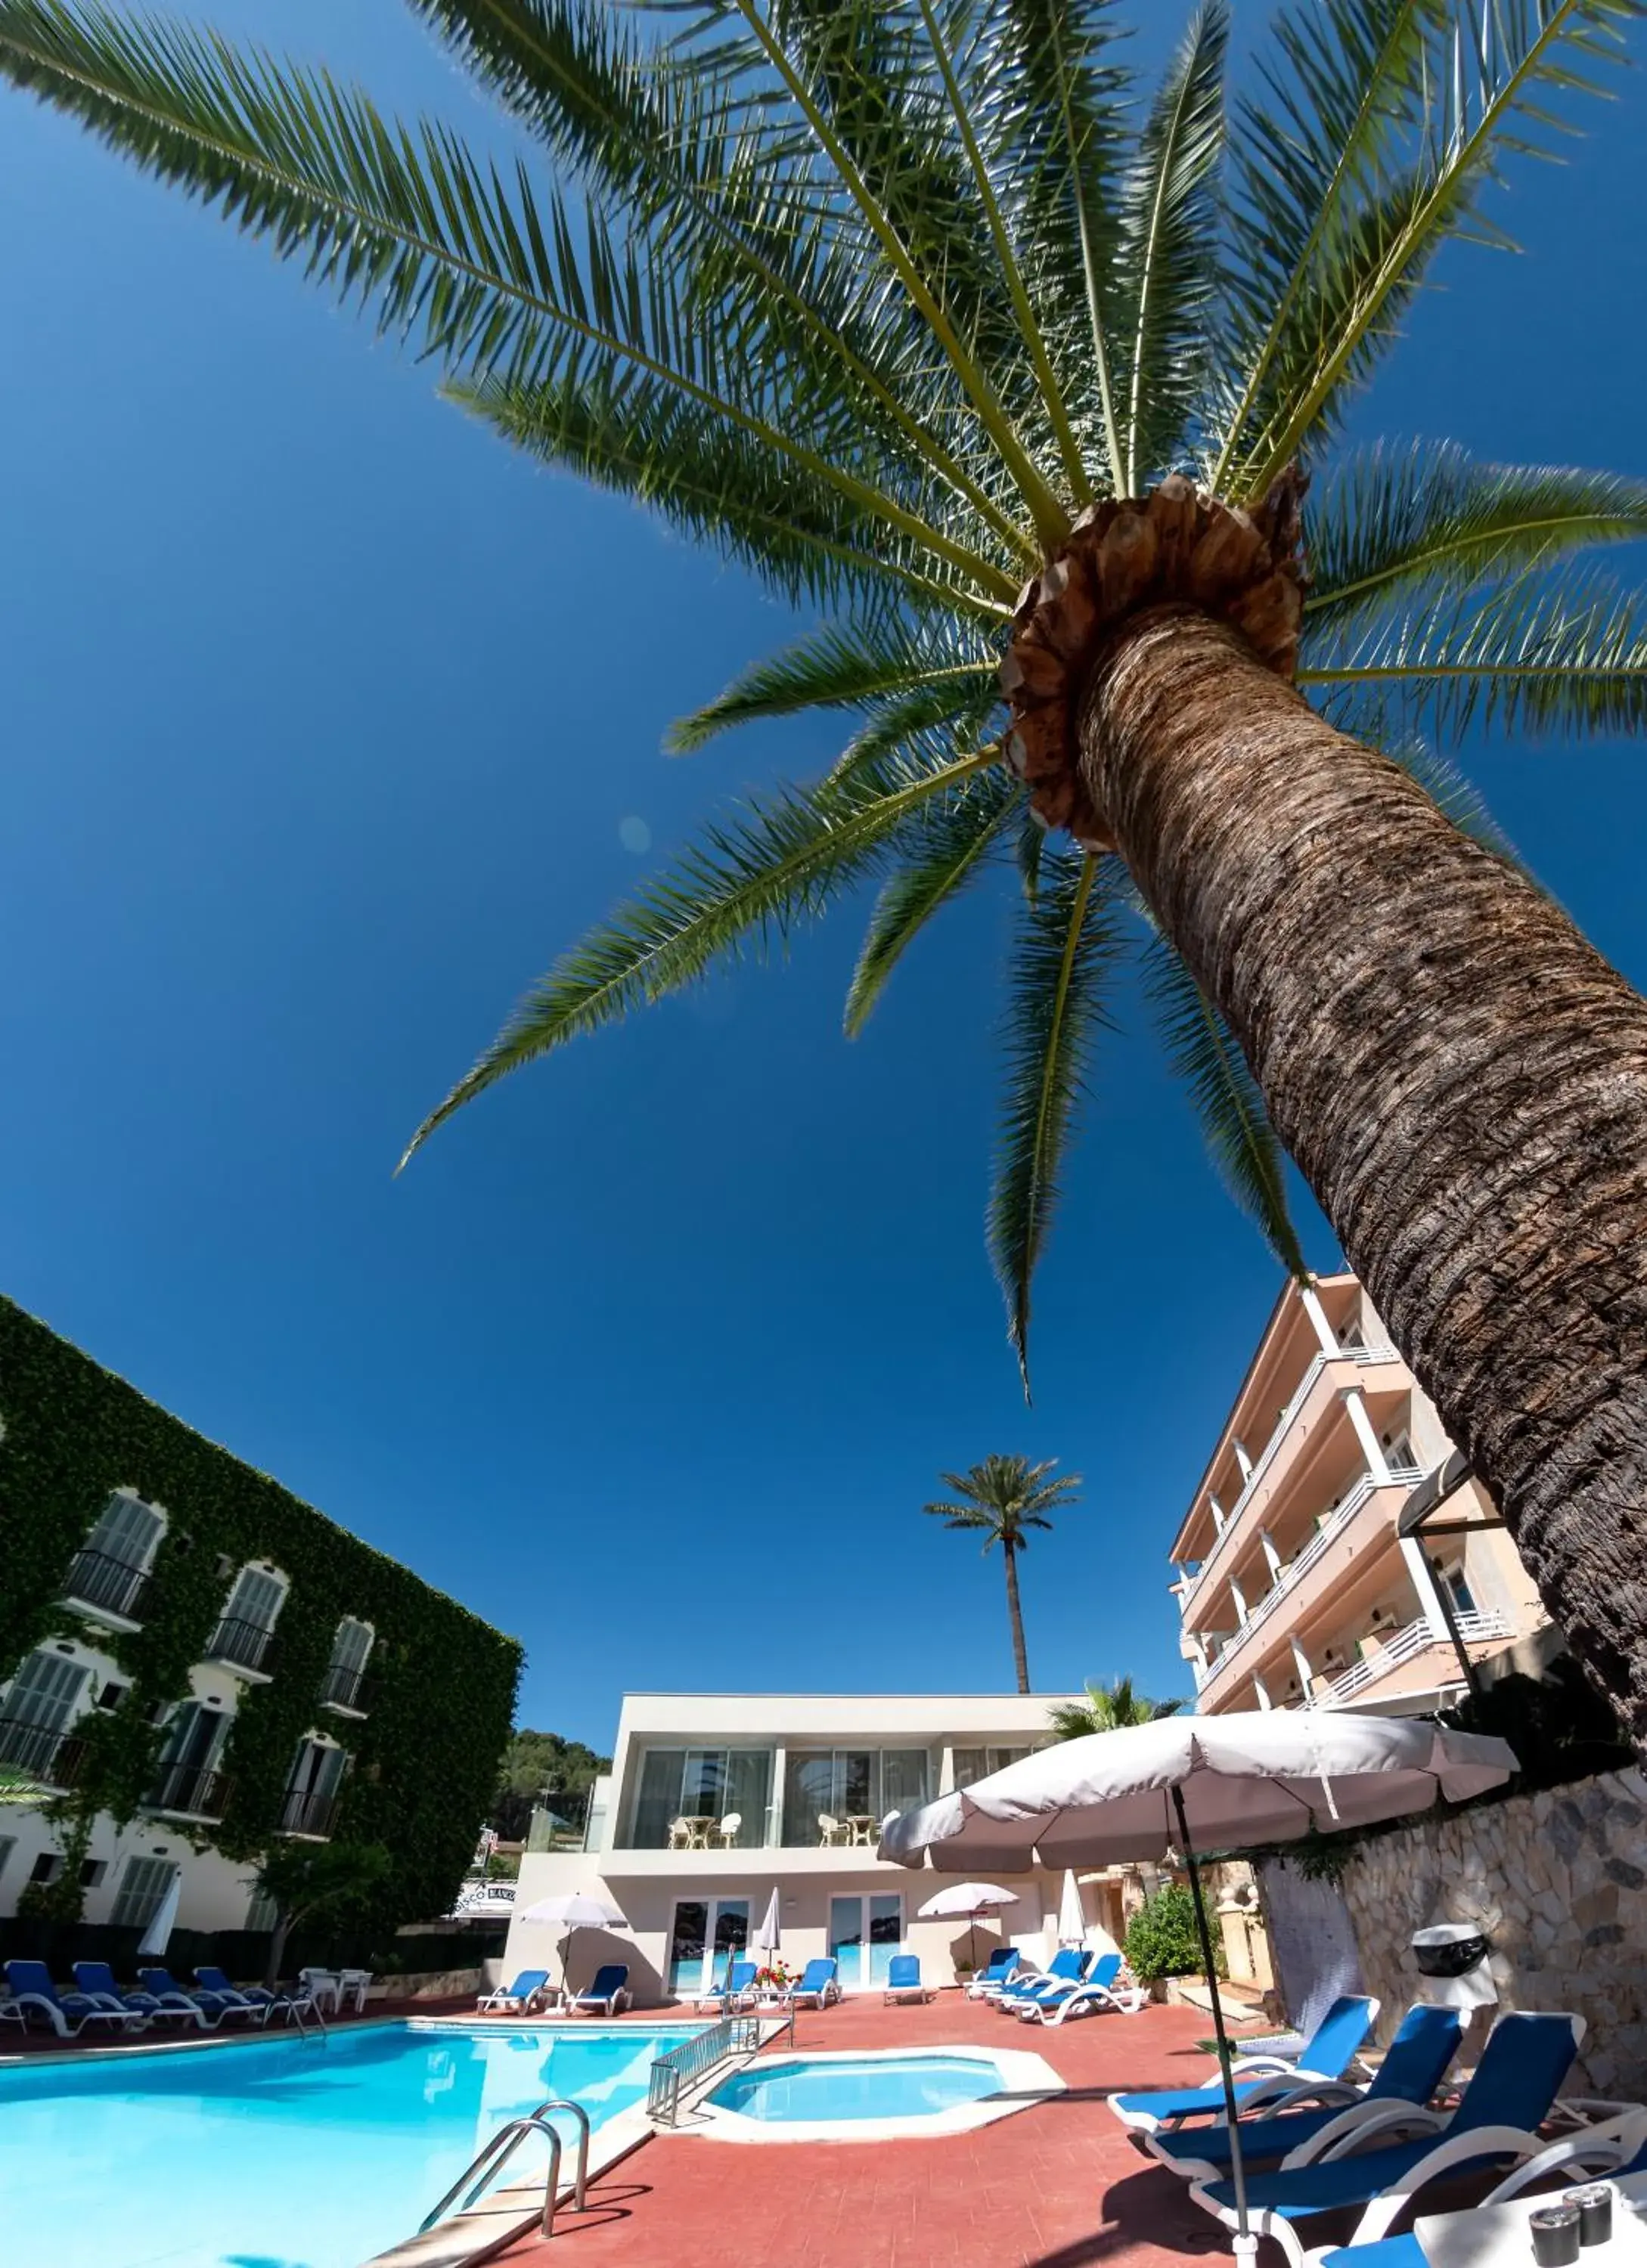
[1056, 2186]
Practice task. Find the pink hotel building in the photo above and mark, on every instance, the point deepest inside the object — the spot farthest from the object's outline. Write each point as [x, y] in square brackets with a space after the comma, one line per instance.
[1295, 1586]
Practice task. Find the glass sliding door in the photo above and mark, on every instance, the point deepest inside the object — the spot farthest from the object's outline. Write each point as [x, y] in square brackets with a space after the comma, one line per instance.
[703, 1785]
[845, 1938]
[700, 1924]
[864, 1934]
[842, 1783]
[886, 1933]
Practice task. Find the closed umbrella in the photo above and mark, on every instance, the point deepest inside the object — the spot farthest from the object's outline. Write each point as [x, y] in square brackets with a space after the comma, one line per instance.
[769, 1937]
[574, 1910]
[966, 1902]
[1071, 1920]
[1219, 1783]
[158, 1935]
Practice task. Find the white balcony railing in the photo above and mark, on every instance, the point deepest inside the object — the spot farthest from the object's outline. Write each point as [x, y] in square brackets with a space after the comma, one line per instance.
[1406, 1644]
[1265, 1455]
[1404, 1477]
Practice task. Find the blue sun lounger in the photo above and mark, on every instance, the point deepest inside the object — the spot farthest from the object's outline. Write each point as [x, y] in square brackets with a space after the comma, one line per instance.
[819, 1982]
[1069, 1965]
[255, 2001]
[1002, 1963]
[608, 1992]
[96, 1980]
[903, 1979]
[1409, 2076]
[1327, 2054]
[1096, 1991]
[212, 2005]
[1510, 2094]
[734, 1982]
[67, 2013]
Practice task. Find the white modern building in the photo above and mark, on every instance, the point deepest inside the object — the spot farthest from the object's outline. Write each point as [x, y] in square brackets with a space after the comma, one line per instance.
[716, 1799]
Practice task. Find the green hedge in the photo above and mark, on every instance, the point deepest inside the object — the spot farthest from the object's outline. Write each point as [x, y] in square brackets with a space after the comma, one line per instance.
[442, 1680]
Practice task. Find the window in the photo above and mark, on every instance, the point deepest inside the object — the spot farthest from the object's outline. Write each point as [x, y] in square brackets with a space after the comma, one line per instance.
[112, 1695]
[8, 1844]
[44, 1699]
[346, 1673]
[973, 1764]
[698, 1924]
[843, 1783]
[1457, 1586]
[703, 1784]
[188, 1778]
[92, 1872]
[46, 1867]
[110, 1569]
[262, 1914]
[247, 1624]
[311, 1791]
[1398, 1450]
[142, 1893]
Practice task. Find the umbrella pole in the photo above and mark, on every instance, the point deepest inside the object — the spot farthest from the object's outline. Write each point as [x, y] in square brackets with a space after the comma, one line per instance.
[1246, 2242]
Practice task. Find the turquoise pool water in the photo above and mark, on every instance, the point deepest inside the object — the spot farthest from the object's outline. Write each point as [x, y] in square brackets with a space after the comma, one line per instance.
[281, 2154]
[850, 2087]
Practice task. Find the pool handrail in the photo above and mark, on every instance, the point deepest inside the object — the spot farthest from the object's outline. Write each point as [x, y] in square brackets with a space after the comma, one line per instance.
[484, 2167]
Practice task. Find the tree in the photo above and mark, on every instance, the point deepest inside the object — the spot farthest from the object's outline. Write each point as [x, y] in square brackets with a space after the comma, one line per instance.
[305, 1880]
[918, 309]
[1105, 1707]
[1163, 1939]
[541, 1765]
[1003, 1499]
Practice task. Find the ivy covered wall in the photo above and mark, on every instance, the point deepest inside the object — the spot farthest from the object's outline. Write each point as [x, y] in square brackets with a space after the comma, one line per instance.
[443, 1682]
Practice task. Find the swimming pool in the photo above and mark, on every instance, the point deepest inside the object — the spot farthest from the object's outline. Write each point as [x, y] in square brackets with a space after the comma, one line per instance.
[281, 2153]
[895, 2094]
[858, 2087]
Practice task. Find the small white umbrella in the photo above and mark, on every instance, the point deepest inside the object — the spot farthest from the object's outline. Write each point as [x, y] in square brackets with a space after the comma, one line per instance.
[158, 1935]
[967, 1901]
[769, 1937]
[574, 1910]
[1071, 1920]
[1224, 1783]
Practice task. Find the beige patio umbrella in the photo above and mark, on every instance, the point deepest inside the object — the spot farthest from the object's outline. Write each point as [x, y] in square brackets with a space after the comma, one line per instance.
[1224, 1783]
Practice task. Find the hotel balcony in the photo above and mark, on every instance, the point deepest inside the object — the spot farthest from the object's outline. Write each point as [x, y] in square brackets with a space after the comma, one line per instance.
[246, 1648]
[1413, 1662]
[188, 1792]
[39, 1755]
[1313, 1423]
[308, 1816]
[107, 1591]
[347, 1692]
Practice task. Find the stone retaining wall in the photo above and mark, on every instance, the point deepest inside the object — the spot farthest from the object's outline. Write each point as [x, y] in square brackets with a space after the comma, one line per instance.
[1558, 1880]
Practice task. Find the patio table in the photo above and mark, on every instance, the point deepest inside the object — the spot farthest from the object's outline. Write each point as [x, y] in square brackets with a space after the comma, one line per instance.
[1497, 2236]
[861, 1828]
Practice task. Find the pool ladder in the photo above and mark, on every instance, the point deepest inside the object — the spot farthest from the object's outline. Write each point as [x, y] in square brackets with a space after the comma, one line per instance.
[484, 2168]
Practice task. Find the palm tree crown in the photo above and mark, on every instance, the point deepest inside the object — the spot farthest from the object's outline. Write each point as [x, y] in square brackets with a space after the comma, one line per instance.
[1002, 1499]
[877, 296]
[1105, 1708]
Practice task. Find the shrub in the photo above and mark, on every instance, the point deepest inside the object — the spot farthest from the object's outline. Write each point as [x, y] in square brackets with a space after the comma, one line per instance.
[1161, 1939]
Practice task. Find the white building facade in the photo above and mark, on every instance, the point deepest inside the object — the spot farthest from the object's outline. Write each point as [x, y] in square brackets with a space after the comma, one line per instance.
[714, 1800]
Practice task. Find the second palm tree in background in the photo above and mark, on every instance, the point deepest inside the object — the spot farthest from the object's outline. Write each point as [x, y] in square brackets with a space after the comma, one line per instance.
[1104, 1709]
[1002, 1499]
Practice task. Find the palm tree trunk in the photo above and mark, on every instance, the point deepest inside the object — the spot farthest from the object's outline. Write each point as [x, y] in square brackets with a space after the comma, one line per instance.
[1019, 1659]
[1461, 1077]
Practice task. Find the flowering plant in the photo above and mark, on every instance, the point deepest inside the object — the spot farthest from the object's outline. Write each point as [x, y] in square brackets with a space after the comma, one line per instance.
[780, 1976]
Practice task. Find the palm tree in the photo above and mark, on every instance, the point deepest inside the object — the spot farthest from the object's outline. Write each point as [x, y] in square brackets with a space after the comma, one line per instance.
[1002, 1499]
[926, 313]
[1104, 1708]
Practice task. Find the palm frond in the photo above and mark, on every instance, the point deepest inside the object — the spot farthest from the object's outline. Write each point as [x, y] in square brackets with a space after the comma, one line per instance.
[1235, 1125]
[1056, 126]
[924, 724]
[948, 853]
[648, 132]
[1168, 219]
[495, 278]
[846, 666]
[1552, 653]
[1395, 519]
[744, 884]
[1027, 853]
[1437, 97]
[1068, 939]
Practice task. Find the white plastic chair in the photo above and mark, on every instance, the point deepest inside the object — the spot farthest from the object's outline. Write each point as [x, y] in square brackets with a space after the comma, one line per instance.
[353, 1985]
[324, 1986]
[830, 1830]
[679, 1835]
[728, 1828]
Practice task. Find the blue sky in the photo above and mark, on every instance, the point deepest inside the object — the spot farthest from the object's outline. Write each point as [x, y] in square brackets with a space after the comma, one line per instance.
[327, 723]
